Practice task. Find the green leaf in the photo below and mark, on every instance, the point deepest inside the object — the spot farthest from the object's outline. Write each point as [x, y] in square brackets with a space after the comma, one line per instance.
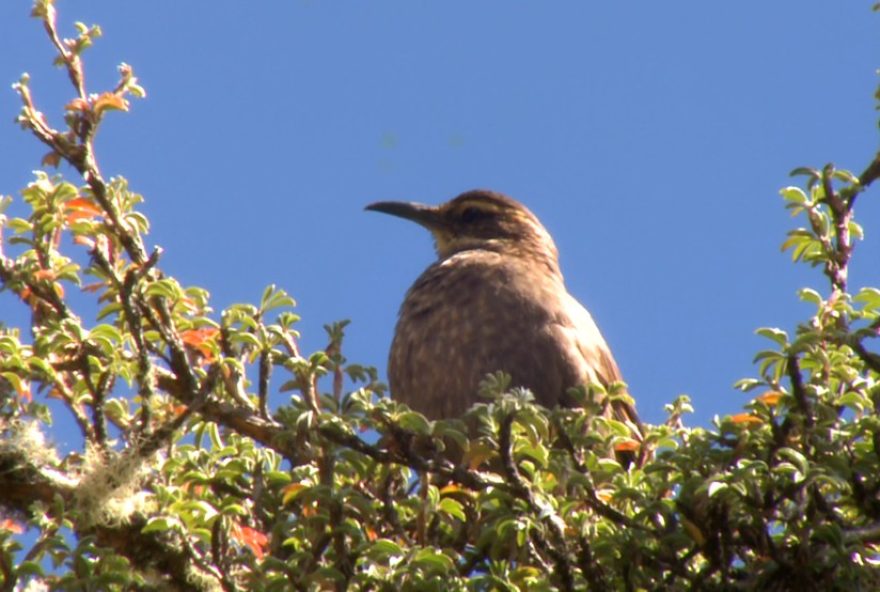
[777, 335]
[275, 298]
[452, 507]
[870, 297]
[385, 548]
[747, 384]
[794, 194]
[29, 568]
[810, 295]
[166, 288]
[415, 422]
[42, 366]
[716, 487]
[429, 558]
[814, 174]
[856, 231]
[795, 458]
[159, 524]
[214, 435]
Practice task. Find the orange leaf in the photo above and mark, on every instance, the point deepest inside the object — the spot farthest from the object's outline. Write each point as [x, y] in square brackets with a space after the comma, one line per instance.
[194, 488]
[770, 398]
[24, 391]
[84, 241]
[81, 208]
[255, 540]
[77, 105]
[56, 394]
[10, 525]
[627, 445]
[746, 418]
[310, 510]
[77, 215]
[197, 337]
[110, 101]
[92, 288]
[44, 274]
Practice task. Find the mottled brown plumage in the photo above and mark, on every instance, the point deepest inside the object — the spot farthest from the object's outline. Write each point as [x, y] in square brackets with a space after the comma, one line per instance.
[494, 300]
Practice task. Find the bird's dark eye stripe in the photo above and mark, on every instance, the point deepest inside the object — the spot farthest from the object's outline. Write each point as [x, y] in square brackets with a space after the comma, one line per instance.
[473, 214]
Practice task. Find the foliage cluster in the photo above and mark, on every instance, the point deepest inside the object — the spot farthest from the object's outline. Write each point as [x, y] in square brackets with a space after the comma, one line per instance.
[184, 479]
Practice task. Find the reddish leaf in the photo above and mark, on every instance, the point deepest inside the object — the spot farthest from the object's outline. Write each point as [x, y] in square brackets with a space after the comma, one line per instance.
[77, 105]
[110, 101]
[84, 241]
[92, 288]
[746, 419]
[23, 389]
[198, 339]
[10, 525]
[255, 540]
[81, 208]
[628, 445]
[770, 398]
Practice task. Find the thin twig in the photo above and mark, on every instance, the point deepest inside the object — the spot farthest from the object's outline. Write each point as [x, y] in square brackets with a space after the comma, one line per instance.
[265, 373]
[793, 369]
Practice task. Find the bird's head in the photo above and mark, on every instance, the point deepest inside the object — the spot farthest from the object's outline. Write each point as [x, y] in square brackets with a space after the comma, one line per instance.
[478, 220]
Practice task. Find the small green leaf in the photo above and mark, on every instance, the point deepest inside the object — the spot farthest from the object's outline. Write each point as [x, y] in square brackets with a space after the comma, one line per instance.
[716, 487]
[810, 295]
[452, 507]
[794, 194]
[795, 458]
[777, 335]
[414, 422]
[386, 548]
[159, 524]
[429, 558]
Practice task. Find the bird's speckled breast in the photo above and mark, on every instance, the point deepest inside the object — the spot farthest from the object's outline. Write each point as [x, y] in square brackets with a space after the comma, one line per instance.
[475, 313]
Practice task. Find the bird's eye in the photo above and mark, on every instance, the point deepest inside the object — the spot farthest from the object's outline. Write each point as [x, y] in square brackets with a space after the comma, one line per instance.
[472, 214]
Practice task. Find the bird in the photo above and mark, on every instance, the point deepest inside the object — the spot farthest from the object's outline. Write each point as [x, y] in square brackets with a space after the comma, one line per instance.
[494, 300]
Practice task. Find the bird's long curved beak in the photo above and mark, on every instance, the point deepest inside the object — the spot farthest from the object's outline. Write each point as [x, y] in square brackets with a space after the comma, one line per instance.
[427, 216]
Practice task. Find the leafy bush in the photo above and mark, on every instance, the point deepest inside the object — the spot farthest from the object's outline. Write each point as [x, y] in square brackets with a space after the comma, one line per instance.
[183, 479]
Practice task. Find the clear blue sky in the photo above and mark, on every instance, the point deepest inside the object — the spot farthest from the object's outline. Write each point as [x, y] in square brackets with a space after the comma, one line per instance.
[651, 139]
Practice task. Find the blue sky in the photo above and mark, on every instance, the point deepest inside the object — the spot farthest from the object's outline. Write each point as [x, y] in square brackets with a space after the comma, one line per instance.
[650, 139]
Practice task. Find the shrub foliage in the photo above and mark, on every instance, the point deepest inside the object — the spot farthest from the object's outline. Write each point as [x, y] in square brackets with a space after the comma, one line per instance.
[182, 478]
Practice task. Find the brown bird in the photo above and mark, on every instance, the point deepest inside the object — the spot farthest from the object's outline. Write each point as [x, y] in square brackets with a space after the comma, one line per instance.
[494, 300]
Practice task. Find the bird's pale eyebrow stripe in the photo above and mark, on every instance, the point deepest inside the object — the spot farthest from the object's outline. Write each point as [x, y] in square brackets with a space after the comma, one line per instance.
[480, 205]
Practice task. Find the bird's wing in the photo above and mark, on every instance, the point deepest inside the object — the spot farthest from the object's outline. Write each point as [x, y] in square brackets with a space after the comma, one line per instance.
[598, 362]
